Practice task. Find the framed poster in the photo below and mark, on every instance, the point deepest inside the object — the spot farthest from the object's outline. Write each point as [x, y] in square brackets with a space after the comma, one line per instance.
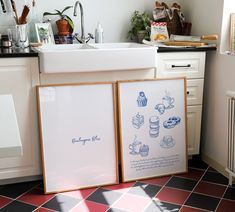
[78, 136]
[152, 122]
[44, 33]
[232, 33]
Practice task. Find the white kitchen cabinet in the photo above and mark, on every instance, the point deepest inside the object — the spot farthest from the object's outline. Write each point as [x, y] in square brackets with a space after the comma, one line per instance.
[18, 78]
[194, 114]
[192, 66]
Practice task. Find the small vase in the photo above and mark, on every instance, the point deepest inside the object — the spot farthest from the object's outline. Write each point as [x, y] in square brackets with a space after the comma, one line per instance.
[141, 35]
[22, 40]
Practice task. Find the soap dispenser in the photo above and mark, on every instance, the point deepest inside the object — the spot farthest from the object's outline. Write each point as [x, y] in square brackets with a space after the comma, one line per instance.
[99, 32]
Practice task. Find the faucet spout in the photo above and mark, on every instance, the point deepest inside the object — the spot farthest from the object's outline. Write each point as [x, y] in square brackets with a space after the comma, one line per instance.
[82, 17]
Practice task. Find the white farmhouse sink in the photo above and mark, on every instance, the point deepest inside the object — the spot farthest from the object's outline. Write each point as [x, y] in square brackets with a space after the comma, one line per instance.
[95, 57]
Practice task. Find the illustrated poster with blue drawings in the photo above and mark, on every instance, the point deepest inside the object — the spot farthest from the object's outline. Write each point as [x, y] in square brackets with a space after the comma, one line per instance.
[153, 128]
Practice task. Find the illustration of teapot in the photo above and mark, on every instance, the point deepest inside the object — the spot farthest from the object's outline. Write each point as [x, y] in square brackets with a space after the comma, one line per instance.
[138, 149]
[135, 146]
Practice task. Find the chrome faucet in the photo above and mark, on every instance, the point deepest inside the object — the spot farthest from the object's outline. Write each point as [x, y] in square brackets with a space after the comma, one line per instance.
[82, 38]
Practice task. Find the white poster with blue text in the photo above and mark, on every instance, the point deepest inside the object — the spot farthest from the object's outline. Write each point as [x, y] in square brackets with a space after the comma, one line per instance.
[78, 134]
[152, 122]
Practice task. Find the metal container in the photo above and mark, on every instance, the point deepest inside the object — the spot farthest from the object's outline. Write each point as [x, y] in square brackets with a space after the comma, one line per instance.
[6, 43]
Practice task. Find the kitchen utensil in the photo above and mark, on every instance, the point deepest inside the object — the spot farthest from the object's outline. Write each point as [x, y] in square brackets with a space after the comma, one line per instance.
[14, 10]
[185, 43]
[3, 6]
[25, 12]
[193, 38]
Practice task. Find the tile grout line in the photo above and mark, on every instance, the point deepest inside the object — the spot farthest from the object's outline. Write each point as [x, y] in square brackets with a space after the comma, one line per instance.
[43, 194]
[139, 195]
[118, 198]
[16, 199]
[164, 185]
[196, 186]
[188, 206]
[222, 197]
[83, 199]
[7, 203]
[214, 183]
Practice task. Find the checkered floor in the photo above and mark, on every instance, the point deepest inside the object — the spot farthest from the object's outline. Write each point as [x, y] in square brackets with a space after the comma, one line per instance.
[202, 189]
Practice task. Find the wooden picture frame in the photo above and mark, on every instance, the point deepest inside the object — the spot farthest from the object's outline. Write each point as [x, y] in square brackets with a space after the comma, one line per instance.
[152, 123]
[44, 33]
[232, 33]
[78, 135]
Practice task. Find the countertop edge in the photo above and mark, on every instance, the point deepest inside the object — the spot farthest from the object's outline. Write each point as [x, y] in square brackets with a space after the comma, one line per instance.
[15, 53]
[186, 49]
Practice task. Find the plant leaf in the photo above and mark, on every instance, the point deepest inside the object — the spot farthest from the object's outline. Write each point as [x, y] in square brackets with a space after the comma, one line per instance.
[66, 8]
[47, 13]
[70, 21]
[59, 13]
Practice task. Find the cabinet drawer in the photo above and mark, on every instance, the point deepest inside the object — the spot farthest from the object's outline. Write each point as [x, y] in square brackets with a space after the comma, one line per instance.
[190, 64]
[194, 114]
[194, 91]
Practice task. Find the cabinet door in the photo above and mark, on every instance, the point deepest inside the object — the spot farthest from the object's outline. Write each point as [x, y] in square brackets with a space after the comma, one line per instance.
[194, 114]
[194, 91]
[18, 77]
[181, 64]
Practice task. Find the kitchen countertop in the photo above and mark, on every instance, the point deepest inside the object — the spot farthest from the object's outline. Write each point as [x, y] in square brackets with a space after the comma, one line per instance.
[17, 52]
[28, 52]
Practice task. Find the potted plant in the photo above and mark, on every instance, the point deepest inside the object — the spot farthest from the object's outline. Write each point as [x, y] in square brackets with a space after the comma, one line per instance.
[140, 26]
[65, 24]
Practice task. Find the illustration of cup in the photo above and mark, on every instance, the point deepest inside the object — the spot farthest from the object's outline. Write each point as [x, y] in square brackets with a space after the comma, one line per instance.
[168, 101]
[22, 40]
[167, 139]
[167, 142]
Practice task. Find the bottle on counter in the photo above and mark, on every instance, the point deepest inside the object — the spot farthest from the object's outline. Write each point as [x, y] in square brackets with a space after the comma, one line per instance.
[33, 20]
[99, 33]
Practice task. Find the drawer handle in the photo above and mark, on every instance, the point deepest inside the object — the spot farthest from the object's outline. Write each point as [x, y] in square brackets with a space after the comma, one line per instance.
[187, 92]
[183, 66]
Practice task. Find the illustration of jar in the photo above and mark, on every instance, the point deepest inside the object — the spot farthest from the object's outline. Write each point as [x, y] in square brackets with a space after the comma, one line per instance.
[142, 100]
[154, 126]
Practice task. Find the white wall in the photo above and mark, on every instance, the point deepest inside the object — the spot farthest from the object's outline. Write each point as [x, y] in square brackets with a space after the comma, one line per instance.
[229, 7]
[206, 16]
[114, 15]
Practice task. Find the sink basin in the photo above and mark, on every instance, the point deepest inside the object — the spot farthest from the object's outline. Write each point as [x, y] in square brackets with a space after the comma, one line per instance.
[95, 57]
